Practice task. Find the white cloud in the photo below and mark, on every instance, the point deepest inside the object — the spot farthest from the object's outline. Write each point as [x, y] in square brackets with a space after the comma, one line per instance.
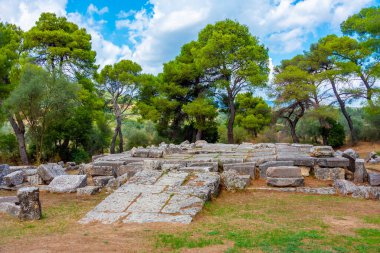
[157, 36]
[281, 25]
[93, 9]
[26, 13]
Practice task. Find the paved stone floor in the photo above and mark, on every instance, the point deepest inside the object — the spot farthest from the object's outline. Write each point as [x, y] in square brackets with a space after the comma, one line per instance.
[172, 182]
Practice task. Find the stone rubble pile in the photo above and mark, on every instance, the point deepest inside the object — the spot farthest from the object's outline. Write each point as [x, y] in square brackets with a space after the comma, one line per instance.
[170, 183]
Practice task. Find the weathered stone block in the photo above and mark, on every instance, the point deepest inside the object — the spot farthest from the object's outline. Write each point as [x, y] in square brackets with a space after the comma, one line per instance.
[284, 172]
[99, 170]
[233, 181]
[14, 178]
[322, 151]
[4, 170]
[88, 190]
[214, 165]
[196, 169]
[29, 201]
[157, 217]
[34, 180]
[263, 167]
[360, 174]
[10, 208]
[333, 162]
[152, 164]
[242, 168]
[345, 187]
[374, 179]
[285, 182]
[68, 183]
[102, 181]
[328, 173]
[49, 171]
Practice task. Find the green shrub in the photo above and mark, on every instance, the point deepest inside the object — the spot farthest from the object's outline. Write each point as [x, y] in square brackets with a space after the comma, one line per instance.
[80, 156]
[335, 133]
[8, 148]
[240, 134]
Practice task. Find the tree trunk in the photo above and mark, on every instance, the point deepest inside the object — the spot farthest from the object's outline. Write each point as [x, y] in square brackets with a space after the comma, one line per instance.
[19, 130]
[293, 130]
[121, 141]
[199, 135]
[342, 106]
[231, 120]
[369, 90]
[113, 142]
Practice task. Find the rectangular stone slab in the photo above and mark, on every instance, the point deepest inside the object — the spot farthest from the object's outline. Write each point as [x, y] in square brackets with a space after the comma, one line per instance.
[374, 179]
[152, 203]
[284, 172]
[263, 167]
[157, 217]
[333, 162]
[242, 168]
[117, 202]
[285, 182]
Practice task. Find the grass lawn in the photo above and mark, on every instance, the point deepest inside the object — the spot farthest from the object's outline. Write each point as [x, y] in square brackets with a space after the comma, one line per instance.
[247, 221]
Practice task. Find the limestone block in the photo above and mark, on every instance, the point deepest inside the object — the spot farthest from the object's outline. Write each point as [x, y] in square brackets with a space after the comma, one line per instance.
[14, 178]
[233, 181]
[333, 162]
[100, 170]
[374, 179]
[284, 172]
[285, 182]
[345, 187]
[322, 151]
[263, 167]
[29, 201]
[49, 171]
[102, 181]
[68, 183]
[360, 174]
[328, 173]
[88, 190]
[4, 170]
[242, 168]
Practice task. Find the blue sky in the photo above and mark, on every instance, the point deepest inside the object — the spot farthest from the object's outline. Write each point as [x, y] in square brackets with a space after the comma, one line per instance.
[152, 32]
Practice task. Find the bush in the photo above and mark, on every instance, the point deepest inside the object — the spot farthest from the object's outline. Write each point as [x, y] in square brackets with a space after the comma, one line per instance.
[8, 148]
[335, 133]
[80, 156]
[240, 134]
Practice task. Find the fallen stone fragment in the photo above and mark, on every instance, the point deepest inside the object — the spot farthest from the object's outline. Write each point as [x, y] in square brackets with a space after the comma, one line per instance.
[352, 153]
[49, 171]
[101, 170]
[360, 174]
[242, 168]
[322, 151]
[285, 182]
[88, 190]
[4, 170]
[10, 208]
[68, 183]
[345, 187]
[305, 171]
[374, 179]
[29, 201]
[284, 172]
[102, 181]
[351, 161]
[329, 173]
[14, 178]
[233, 181]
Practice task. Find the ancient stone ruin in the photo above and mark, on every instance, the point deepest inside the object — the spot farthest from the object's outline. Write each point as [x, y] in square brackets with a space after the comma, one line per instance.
[171, 183]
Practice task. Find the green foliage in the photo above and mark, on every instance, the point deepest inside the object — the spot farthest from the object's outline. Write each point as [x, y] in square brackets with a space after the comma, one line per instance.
[140, 133]
[240, 134]
[10, 43]
[252, 113]
[58, 44]
[335, 133]
[8, 148]
[365, 24]
[43, 99]
[202, 112]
